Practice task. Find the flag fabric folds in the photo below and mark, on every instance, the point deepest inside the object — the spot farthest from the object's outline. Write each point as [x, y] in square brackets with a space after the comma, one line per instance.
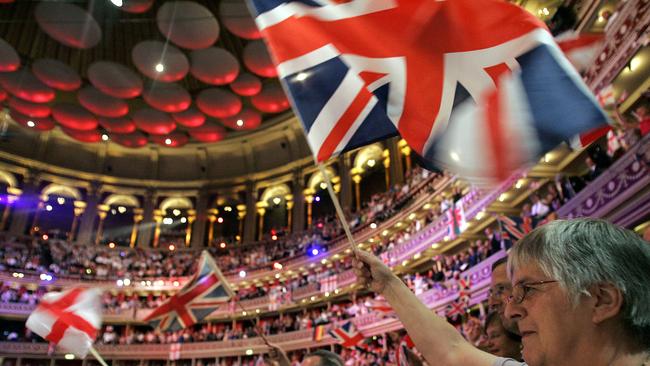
[319, 332]
[201, 296]
[516, 227]
[347, 335]
[69, 319]
[478, 87]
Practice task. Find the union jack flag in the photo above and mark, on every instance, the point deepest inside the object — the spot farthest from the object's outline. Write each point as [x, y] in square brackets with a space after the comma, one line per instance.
[347, 335]
[516, 227]
[456, 309]
[464, 293]
[379, 304]
[468, 84]
[202, 295]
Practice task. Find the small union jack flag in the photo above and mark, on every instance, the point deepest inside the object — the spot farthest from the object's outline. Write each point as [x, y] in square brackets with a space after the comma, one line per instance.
[201, 296]
[455, 309]
[347, 335]
[464, 293]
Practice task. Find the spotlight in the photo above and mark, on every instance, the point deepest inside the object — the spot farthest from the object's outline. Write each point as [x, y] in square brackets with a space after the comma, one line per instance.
[121, 209]
[168, 141]
[172, 247]
[160, 68]
[317, 198]
[176, 283]
[119, 283]
[126, 282]
[45, 237]
[323, 185]
[277, 200]
[168, 221]
[31, 124]
[277, 265]
[242, 273]
[222, 245]
[371, 162]
[176, 212]
[373, 225]
[113, 212]
[111, 245]
[104, 137]
[227, 208]
[220, 220]
[70, 356]
[183, 220]
[60, 200]
[117, 3]
[48, 208]
[274, 237]
[240, 122]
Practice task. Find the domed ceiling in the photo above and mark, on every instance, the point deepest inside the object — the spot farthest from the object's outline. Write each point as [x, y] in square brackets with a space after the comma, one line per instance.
[136, 72]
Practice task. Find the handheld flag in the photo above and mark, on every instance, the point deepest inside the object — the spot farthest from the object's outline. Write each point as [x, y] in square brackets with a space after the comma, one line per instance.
[69, 319]
[201, 296]
[468, 84]
[319, 333]
[347, 335]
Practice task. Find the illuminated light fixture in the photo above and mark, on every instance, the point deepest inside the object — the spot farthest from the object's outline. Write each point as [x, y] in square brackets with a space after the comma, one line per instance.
[168, 141]
[412, 216]
[317, 198]
[502, 197]
[70, 356]
[373, 225]
[454, 156]
[480, 215]
[336, 291]
[119, 283]
[89, 271]
[176, 283]
[257, 311]
[117, 3]
[323, 261]
[176, 212]
[314, 251]
[399, 224]
[48, 208]
[520, 183]
[277, 265]
[301, 76]
[323, 185]
[242, 273]
[277, 275]
[222, 245]
[277, 200]
[274, 237]
[240, 122]
[126, 282]
[31, 124]
[121, 209]
[384, 233]
[45, 277]
[371, 162]
[172, 247]
[244, 313]
[183, 220]
[160, 67]
[227, 208]
[45, 237]
[426, 206]
[111, 245]
[417, 256]
[405, 262]
[148, 283]
[104, 137]
[159, 283]
[168, 221]
[249, 351]
[60, 200]
[313, 298]
[446, 238]
[634, 64]
[327, 294]
[220, 220]
[113, 212]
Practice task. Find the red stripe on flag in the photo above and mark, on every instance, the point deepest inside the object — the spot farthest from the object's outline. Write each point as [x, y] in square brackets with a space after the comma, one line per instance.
[343, 125]
[580, 41]
[494, 116]
[66, 319]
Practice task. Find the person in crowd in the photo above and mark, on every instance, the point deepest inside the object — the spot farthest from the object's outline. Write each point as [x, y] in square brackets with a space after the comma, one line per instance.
[579, 297]
[277, 356]
[500, 290]
[499, 341]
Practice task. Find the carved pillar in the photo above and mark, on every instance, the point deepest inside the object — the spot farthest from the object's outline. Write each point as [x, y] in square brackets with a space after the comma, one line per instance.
[191, 217]
[289, 200]
[386, 157]
[212, 217]
[298, 214]
[405, 150]
[346, 182]
[356, 178]
[309, 198]
[241, 216]
[201, 221]
[102, 212]
[87, 221]
[261, 210]
[249, 223]
[157, 217]
[137, 218]
[23, 208]
[395, 161]
[79, 208]
[147, 226]
[13, 194]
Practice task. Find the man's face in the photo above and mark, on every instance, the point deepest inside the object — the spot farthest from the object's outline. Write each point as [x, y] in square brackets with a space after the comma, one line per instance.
[499, 343]
[500, 289]
[550, 326]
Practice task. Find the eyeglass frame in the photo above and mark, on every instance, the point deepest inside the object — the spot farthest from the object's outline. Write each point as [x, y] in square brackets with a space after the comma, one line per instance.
[499, 290]
[525, 289]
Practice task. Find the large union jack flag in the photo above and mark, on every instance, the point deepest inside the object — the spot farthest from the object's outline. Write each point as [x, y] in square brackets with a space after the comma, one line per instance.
[201, 296]
[476, 86]
[347, 335]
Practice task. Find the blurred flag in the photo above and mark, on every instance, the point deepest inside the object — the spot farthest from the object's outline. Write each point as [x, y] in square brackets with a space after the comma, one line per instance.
[319, 333]
[515, 226]
[606, 96]
[468, 84]
[456, 309]
[174, 351]
[464, 290]
[197, 299]
[379, 304]
[347, 335]
[580, 49]
[402, 350]
[69, 319]
[328, 284]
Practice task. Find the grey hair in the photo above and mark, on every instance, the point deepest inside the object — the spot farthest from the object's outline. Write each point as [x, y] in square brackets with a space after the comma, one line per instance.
[582, 252]
[327, 358]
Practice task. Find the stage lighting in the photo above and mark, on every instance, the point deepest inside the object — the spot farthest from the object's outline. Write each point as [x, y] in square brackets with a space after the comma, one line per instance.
[222, 245]
[277, 265]
[242, 273]
[48, 208]
[314, 250]
[317, 199]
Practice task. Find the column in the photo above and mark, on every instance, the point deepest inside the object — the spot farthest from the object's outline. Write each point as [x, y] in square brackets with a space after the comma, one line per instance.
[24, 207]
[346, 182]
[102, 212]
[198, 231]
[157, 218]
[289, 201]
[137, 218]
[356, 178]
[212, 218]
[309, 198]
[13, 194]
[37, 215]
[298, 214]
[396, 167]
[249, 223]
[405, 149]
[386, 157]
[87, 220]
[146, 227]
[261, 210]
[79, 208]
[191, 217]
[241, 215]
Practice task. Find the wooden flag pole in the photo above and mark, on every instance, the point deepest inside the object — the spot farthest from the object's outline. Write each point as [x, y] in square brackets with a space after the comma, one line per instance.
[97, 356]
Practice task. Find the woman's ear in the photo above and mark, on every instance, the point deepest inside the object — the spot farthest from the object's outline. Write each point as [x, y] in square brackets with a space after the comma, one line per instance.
[608, 301]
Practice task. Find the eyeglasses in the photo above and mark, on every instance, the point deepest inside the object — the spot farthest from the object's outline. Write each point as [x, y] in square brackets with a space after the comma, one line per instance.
[520, 290]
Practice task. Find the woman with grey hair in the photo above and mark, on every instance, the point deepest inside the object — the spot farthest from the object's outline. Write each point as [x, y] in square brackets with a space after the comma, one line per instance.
[580, 297]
